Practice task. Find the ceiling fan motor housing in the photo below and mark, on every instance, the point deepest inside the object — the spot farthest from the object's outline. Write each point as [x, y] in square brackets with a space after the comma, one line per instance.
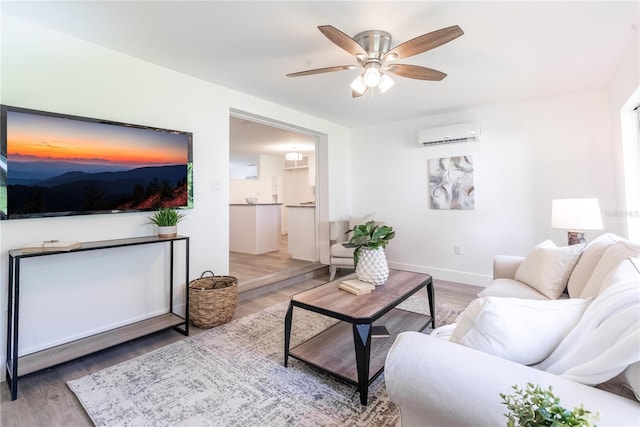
[375, 42]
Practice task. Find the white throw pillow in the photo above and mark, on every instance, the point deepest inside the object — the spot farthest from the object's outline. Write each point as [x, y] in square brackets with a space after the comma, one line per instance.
[588, 262]
[520, 330]
[547, 268]
[627, 269]
[614, 254]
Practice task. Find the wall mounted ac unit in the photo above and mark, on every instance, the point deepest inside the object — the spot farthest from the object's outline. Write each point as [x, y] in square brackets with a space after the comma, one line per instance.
[464, 132]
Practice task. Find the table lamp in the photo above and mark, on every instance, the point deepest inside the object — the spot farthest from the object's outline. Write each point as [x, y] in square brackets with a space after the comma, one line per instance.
[576, 215]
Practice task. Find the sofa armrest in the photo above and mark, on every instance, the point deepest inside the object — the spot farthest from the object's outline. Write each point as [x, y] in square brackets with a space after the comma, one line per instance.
[505, 266]
[439, 383]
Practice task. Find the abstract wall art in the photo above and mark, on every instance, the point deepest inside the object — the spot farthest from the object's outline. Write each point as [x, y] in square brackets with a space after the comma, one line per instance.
[451, 183]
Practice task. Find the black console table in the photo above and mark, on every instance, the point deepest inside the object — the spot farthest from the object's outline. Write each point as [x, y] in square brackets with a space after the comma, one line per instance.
[18, 366]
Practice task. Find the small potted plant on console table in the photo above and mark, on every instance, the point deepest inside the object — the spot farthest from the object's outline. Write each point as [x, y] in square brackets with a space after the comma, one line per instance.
[167, 221]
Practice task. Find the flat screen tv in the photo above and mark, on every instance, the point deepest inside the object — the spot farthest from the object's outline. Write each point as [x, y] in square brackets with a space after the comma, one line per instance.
[56, 165]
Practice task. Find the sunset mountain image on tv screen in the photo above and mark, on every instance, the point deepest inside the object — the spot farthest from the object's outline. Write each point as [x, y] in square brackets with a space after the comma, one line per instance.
[55, 165]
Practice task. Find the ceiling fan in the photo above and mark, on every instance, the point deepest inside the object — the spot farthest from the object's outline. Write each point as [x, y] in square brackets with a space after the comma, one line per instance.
[372, 51]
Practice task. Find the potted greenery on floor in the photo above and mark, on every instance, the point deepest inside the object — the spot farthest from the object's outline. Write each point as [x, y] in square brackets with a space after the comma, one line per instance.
[535, 407]
[167, 221]
[369, 259]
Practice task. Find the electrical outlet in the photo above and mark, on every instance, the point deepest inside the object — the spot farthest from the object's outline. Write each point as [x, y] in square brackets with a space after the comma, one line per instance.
[456, 249]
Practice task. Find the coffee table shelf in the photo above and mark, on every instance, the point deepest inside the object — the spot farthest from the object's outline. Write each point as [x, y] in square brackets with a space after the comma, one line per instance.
[332, 349]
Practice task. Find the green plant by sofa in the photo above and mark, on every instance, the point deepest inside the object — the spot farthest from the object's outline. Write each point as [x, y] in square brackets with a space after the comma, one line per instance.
[535, 407]
[370, 236]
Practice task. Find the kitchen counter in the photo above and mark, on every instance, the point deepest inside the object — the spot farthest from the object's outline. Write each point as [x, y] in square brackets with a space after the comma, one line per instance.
[302, 231]
[254, 229]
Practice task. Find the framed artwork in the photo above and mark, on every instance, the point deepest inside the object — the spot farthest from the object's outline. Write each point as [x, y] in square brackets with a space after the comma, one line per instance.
[451, 183]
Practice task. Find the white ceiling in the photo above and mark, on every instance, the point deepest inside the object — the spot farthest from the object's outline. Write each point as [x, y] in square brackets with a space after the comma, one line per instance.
[510, 50]
[248, 139]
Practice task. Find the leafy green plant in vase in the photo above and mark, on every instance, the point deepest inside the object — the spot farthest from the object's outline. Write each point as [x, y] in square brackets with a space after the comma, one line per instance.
[369, 259]
[535, 407]
[167, 221]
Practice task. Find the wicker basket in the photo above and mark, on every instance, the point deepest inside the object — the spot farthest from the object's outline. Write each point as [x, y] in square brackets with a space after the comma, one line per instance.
[212, 299]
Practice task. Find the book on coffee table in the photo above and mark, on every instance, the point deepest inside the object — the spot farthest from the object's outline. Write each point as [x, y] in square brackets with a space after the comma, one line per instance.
[379, 331]
[356, 287]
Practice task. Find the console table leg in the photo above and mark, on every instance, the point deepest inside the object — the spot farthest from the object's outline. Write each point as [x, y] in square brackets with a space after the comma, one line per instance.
[362, 340]
[287, 333]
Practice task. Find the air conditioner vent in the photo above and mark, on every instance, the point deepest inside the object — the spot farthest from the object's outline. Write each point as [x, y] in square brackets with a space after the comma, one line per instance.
[466, 132]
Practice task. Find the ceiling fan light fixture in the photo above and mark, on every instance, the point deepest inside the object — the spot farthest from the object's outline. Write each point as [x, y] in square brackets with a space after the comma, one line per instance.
[385, 83]
[358, 85]
[372, 75]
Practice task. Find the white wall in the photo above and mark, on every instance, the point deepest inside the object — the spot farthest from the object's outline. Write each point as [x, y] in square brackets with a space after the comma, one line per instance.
[261, 188]
[45, 70]
[530, 153]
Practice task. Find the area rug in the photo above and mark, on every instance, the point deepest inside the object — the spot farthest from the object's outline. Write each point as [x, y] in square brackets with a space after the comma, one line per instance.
[233, 375]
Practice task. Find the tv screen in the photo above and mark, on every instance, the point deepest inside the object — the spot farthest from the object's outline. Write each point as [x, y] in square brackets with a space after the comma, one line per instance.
[55, 164]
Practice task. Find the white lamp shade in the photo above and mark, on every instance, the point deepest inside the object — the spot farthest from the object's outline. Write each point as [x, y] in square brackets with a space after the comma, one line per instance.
[576, 214]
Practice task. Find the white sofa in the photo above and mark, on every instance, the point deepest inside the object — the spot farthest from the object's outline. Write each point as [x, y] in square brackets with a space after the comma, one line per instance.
[454, 377]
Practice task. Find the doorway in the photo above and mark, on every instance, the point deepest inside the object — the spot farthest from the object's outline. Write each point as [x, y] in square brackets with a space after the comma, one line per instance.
[272, 168]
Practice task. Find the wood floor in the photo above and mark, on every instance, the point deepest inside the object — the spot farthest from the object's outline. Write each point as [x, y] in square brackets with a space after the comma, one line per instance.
[45, 400]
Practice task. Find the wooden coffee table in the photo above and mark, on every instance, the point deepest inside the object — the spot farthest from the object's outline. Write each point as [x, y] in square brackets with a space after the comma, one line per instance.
[332, 350]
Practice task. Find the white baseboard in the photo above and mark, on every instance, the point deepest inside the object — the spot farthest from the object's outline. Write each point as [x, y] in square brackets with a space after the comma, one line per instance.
[444, 274]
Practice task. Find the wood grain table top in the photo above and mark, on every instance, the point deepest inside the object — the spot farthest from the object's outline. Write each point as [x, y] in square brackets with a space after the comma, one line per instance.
[346, 306]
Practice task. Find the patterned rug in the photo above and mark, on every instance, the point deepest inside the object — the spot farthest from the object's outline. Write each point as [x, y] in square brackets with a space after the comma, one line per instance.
[233, 375]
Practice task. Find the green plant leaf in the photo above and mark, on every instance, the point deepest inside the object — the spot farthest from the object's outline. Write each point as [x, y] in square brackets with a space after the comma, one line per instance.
[535, 407]
[166, 217]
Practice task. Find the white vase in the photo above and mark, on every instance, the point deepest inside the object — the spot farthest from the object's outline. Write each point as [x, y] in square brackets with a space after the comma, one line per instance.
[372, 266]
[169, 231]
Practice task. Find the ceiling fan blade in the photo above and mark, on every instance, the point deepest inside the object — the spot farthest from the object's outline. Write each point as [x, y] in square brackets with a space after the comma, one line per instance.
[322, 70]
[415, 72]
[342, 40]
[423, 43]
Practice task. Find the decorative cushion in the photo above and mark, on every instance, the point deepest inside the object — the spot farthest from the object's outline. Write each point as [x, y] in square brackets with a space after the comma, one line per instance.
[512, 289]
[520, 330]
[588, 262]
[353, 221]
[547, 268]
[612, 256]
[627, 269]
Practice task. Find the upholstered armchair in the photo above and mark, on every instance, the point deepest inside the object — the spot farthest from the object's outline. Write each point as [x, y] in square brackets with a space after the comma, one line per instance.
[341, 257]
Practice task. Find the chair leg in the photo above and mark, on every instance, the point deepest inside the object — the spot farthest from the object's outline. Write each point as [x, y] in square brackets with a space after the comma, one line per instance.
[332, 269]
